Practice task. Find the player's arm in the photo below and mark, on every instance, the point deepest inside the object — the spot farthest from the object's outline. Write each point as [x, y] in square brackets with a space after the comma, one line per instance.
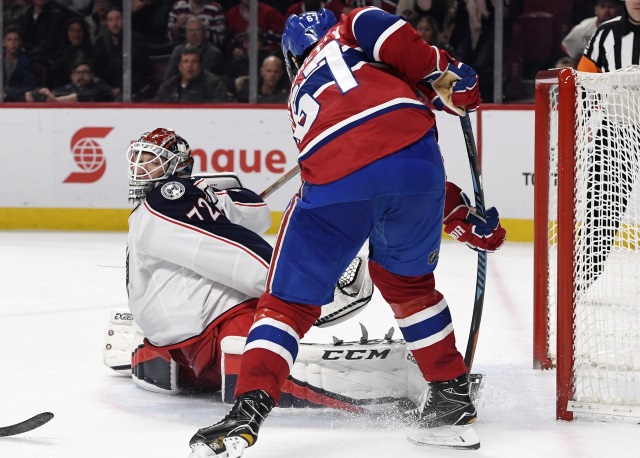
[240, 205]
[450, 85]
[463, 223]
[588, 61]
[587, 65]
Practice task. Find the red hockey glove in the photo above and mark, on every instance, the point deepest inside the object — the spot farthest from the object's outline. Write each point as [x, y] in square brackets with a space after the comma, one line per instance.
[452, 86]
[465, 225]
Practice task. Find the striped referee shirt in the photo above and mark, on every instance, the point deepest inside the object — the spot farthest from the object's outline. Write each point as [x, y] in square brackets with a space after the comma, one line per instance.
[614, 45]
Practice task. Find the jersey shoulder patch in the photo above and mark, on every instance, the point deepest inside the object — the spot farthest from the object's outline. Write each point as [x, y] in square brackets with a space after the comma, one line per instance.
[173, 194]
[172, 190]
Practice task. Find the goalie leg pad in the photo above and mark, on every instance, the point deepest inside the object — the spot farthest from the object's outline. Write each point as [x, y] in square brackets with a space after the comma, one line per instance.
[351, 376]
[122, 337]
[154, 370]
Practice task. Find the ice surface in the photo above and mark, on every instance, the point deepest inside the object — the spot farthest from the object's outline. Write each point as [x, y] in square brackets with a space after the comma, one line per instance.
[56, 289]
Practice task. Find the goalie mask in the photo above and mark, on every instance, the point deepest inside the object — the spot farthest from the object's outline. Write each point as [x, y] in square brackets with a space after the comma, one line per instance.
[300, 33]
[155, 156]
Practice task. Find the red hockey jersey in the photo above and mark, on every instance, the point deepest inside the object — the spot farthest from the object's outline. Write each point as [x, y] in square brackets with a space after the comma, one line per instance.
[353, 100]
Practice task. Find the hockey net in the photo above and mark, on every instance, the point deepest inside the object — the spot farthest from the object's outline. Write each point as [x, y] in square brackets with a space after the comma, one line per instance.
[587, 241]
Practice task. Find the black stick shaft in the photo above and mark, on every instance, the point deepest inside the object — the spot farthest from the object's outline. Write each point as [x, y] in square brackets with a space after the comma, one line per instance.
[481, 275]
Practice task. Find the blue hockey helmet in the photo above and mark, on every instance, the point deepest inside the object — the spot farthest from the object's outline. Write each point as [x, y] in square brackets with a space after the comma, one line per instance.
[301, 32]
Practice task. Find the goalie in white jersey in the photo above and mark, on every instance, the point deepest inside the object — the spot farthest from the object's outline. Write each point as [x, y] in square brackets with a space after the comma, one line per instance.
[195, 264]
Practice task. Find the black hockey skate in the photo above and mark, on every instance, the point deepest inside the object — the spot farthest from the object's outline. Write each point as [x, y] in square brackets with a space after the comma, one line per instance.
[444, 404]
[237, 430]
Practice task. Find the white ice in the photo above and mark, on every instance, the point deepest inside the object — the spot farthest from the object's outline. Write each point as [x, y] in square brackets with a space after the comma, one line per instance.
[56, 290]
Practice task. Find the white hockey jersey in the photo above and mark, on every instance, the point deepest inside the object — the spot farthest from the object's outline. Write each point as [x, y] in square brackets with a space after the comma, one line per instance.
[190, 260]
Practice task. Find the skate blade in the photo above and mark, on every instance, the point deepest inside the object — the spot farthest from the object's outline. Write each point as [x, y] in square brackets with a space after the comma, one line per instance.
[451, 437]
[200, 450]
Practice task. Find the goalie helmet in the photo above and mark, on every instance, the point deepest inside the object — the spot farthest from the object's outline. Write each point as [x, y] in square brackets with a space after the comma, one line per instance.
[301, 32]
[155, 156]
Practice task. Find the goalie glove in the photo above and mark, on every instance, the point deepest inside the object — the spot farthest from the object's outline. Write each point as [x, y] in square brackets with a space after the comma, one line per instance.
[452, 86]
[352, 293]
[463, 223]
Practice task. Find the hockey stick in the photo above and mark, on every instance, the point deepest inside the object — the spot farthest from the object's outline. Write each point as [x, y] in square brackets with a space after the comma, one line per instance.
[481, 275]
[280, 182]
[27, 425]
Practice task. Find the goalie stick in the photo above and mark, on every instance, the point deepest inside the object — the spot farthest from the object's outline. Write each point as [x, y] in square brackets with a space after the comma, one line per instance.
[27, 425]
[280, 182]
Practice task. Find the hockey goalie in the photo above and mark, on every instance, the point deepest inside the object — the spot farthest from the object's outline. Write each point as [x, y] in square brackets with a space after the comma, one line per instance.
[196, 264]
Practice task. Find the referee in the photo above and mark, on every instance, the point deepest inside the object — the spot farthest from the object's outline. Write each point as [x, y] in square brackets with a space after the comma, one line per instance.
[615, 44]
[613, 164]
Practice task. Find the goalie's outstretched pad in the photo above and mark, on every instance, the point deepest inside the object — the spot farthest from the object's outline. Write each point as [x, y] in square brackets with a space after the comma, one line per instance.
[353, 292]
[122, 336]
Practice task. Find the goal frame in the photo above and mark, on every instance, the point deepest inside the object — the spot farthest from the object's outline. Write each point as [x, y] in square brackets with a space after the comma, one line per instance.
[563, 96]
[565, 78]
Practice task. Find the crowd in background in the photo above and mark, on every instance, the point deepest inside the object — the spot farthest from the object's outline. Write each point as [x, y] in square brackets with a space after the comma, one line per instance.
[194, 51]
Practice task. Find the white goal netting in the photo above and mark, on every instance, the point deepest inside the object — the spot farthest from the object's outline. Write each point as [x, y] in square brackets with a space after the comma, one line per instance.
[606, 232]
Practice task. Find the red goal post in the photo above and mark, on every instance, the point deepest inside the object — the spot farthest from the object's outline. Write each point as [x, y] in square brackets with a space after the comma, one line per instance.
[587, 241]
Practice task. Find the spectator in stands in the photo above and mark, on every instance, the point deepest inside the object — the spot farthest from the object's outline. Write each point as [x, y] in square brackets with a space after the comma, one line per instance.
[473, 38]
[75, 45]
[149, 23]
[273, 86]
[335, 6]
[387, 5]
[196, 38]
[17, 75]
[412, 9]
[576, 40]
[428, 29]
[80, 7]
[192, 84]
[97, 20]
[12, 10]
[42, 27]
[270, 22]
[84, 87]
[107, 56]
[239, 64]
[209, 12]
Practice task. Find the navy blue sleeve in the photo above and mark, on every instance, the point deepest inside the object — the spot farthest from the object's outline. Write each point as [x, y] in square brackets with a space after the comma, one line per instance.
[180, 200]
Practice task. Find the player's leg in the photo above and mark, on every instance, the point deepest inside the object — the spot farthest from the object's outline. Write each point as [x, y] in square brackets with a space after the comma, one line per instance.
[405, 247]
[302, 277]
[200, 361]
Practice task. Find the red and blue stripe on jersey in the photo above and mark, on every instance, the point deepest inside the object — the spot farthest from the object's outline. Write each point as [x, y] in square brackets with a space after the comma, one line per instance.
[353, 100]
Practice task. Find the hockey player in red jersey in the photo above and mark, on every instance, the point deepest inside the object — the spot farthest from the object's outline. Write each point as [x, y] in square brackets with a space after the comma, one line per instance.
[372, 171]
